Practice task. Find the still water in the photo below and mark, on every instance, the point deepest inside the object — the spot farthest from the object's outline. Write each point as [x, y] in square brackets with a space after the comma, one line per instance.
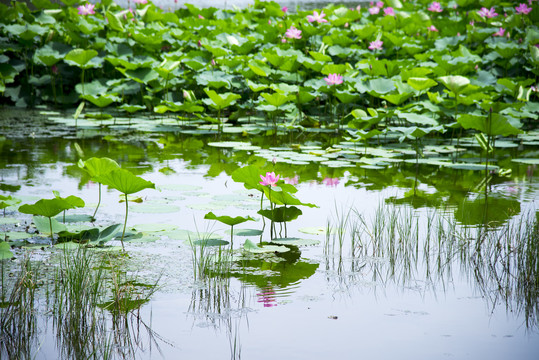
[399, 290]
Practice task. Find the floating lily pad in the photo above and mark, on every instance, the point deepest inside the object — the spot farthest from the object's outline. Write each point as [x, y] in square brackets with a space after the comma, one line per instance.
[253, 248]
[15, 235]
[317, 230]
[210, 242]
[8, 220]
[526, 161]
[295, 241]
[246, 232]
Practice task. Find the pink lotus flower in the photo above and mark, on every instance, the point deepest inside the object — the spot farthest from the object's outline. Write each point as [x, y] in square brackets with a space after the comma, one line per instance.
[331, 181]
[435, 7]
[333, 79]
[270, 179]
[500, 32]
[380, 4]
[472, 23]
[86, 9]
[374, 10]
[432, 28]
[200, 16]
[284, 9]
[486, 13]
[523, 9]
[142, 2]
[292, 181]
[315, 17]
[377, 44]
[293, 33]
[388, 11]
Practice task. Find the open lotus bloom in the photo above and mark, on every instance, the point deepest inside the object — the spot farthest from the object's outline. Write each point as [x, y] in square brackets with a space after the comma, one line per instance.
[333, 79]
[523, 9]
[486, 13]
[316, 17]
[86, 9]
[270, 179]
[435, 7]
[293, 33]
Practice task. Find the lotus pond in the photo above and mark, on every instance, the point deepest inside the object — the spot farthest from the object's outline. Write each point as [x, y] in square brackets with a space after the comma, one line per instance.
[267, 182]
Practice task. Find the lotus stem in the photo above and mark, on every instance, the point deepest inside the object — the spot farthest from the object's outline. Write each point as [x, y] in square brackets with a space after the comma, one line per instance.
[50, 225]
[98, 202]
[125, 221]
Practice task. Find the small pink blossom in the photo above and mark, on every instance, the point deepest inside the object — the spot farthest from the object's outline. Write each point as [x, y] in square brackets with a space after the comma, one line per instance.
[432, 28]
[142, 2]
[331, 181]
[472, 23]
[200, 16]
[283, 40]
[486, 13]
[270, 179]
[316, 17]
[523, 9]
[86, 9]
[333, 79]
[435, 7]
[284, 9]
[374, 10]
[380, 4]
[388, 11]
[293, 33]
[358, 8]
[377, 44]
[500, 32]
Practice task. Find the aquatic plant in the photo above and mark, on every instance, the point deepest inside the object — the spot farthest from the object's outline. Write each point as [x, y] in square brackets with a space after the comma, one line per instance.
[51, 207]
[96, 167]
[125, 182]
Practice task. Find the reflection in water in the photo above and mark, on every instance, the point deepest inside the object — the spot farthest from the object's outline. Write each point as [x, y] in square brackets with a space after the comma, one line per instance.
[426, 251]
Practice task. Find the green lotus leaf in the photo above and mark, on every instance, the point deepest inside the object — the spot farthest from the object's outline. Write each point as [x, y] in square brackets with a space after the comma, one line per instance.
[80, 57]
[124, 181]
[44, 226]
[114, 21]
[98, 166]
[281, 214]
[231, 221]
[277, 99]
[497, 125]
[101, 100]
[221, 101]
[283, 197]
[46, 207]
[421, 84]
[455, 83]
[5, 251]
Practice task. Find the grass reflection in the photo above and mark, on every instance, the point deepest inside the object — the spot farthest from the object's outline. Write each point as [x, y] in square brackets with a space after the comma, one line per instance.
[426, 250]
